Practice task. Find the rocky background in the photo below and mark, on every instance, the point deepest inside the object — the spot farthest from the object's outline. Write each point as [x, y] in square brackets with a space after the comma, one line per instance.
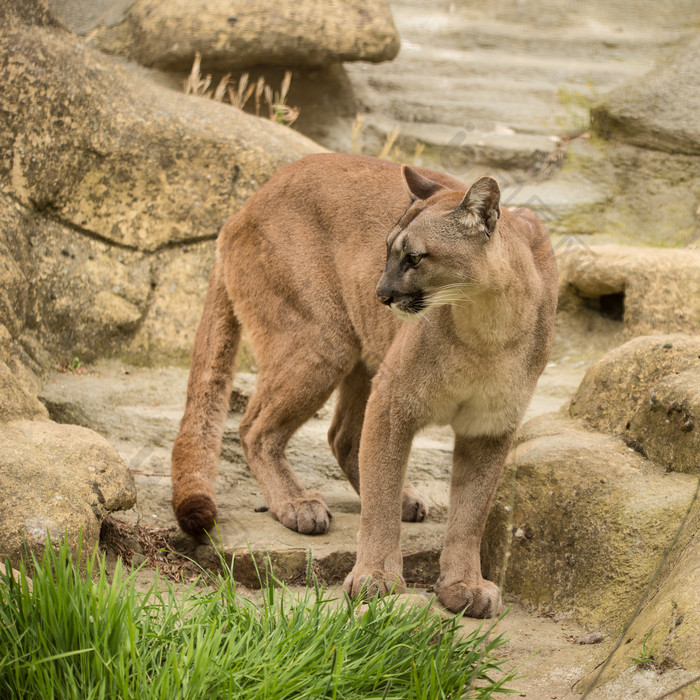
[114, 183]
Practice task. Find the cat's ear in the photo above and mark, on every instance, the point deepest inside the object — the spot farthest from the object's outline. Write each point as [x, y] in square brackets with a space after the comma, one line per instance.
[418, 186]
[481, 205]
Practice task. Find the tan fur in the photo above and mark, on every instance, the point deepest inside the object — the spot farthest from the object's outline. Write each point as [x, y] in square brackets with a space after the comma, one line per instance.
[305, 266]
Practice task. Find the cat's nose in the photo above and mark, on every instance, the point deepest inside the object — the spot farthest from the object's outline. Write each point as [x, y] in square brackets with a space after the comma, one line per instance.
[385, 290]
[385, 295]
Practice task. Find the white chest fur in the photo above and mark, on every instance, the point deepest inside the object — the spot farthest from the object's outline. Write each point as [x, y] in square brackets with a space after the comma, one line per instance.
[484, 401]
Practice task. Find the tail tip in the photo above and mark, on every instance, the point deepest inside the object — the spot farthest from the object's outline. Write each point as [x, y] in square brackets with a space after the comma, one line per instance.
[196, 514]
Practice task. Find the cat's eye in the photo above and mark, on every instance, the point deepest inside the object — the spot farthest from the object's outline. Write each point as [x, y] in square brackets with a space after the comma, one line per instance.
[414, 258]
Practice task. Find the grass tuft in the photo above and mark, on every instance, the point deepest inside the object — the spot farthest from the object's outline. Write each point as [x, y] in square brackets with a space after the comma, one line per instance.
[91, 636]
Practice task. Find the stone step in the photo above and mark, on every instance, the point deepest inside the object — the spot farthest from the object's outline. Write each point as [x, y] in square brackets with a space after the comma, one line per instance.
[534, 70]
[458, 150]
[257, 544]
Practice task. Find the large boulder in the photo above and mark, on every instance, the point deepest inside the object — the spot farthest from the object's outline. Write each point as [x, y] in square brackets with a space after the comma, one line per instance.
[88, 298]
[668, 624]
[55, 480]
[658, 111]
[647, 161]
[591, 521]
[232, 34]
[648, 392]
[112, 191]
[117, 157]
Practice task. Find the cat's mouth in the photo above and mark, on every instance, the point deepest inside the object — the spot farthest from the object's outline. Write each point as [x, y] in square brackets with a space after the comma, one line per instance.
[409, 307]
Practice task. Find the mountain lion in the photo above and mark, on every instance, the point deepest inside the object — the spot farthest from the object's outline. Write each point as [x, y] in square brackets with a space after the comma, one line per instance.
[422, 302]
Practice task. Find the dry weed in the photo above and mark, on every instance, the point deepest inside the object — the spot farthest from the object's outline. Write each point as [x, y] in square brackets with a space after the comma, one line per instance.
[239, 94]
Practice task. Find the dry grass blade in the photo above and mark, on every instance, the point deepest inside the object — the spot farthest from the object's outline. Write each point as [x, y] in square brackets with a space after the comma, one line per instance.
[281, 112]
[389, 143]
[239, 95]
[284, 88]
[259, 89]
[195, 84]
[270, 101]
[220, 91]
[243, 92]
[357, 127]
[154, 543]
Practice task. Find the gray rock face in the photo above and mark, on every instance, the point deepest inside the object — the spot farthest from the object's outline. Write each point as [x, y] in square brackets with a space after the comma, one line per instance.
[56, 479]
[591, 520]
[81, 17]
[659, 110]
[234, 34]
[668, 624]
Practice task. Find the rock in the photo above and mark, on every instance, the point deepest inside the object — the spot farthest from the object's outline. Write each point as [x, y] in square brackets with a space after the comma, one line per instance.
[5, 344]
[57, 479]
[16, 575]
[646, 290]
[114, 181]
[119, 157]
[667, 426]
[243, 388]
[254, 546]
[14, 256]
[606, 523]
[32, 11]
[234, 34]
[138, 559]
[88, 297]
[15, 401]
[659, 110]
[178, 287]
[591, 521]
[668, 625]
[648, 392]
[81, 18]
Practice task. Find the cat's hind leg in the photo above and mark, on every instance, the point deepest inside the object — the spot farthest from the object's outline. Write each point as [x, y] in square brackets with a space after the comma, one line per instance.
[296, 378]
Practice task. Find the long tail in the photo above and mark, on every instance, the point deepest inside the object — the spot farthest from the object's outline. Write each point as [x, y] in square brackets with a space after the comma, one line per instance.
[197, 449]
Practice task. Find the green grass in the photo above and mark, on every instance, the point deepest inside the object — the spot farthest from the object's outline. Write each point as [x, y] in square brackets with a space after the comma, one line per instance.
[91, 635]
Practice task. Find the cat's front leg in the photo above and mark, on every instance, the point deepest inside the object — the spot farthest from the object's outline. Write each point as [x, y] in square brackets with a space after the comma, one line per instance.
[387, 435]
[476, 471]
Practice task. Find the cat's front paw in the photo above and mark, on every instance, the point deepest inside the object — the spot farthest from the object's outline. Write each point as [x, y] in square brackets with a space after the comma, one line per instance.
[366, 583]
[308, 516]
[474, 600]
